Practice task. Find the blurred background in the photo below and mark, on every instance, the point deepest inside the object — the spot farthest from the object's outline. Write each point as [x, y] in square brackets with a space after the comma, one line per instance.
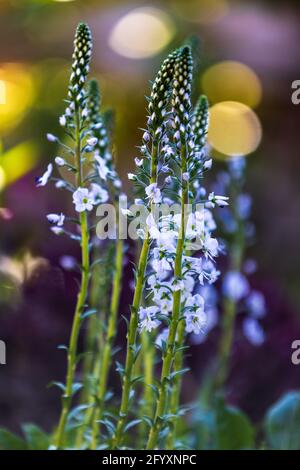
[250, 56]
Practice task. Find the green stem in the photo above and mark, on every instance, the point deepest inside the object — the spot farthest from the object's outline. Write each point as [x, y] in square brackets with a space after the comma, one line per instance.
[72, 350]
[99, 290]
[168, 356]
[175, 396]
[133, 323]
[82, 294]
[107, 352]
[148, 355]
[131, 342]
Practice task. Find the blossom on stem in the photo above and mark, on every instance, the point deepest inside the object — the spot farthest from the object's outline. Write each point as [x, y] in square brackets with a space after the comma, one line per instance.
[57, 219]
[83, 200]
[43, 180]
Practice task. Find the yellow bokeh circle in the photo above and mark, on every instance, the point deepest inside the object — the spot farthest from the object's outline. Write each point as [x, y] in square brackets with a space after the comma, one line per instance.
[18, 94]
[141, 33]
[234, 129]
[232, 81]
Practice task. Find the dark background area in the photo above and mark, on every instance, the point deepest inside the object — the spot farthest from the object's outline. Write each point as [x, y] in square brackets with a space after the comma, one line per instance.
[36, 295]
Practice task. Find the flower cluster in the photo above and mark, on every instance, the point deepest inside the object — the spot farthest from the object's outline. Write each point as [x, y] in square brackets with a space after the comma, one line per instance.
[88, 173]
[186, 133]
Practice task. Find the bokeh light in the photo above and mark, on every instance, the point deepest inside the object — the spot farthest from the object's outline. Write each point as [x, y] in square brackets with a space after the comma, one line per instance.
[2, 92]
[2, 178]
[18, 94]
[232, 81]
[17, 161]
[141, 33]
[201, 11]
[234, 129]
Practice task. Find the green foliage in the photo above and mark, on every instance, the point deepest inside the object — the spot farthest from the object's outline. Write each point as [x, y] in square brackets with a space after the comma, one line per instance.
[34, 439]
[282, 423]
[223, 427]
[9, 441]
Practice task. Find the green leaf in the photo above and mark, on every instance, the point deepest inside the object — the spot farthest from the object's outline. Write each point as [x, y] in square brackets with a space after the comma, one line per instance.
[76, 387]
[88, 313]
[282, 423]
[9, 441]
[131, 424]
[233, 429]
[223, 428]
[36, 438]
[179, 372]
[60, 385]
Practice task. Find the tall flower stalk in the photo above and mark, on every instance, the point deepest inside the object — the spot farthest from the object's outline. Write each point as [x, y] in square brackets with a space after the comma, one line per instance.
[74, 120]
[199, 123]
[148, 166]
[98, 369]
[182, 109]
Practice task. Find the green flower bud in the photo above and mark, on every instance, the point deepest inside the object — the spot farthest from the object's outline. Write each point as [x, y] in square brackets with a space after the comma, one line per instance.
[200, 121]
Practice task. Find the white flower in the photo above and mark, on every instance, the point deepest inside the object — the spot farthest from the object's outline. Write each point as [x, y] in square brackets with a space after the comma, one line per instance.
[153, 193]
[138, 161]
[57, 219]
[60, 184]
[92, 141]
[256, 304]
[147, 317]
[131, 176]
[60, 161]
[195, 304]
[127, 212]
[62, 120]
[178, 284]
[167, 150]
[161, 267]
[185, 176]
[208, 164]
[195, 322]
[51, 138]
[98, 194]
[146, 136]
[253, 331]
[235, 285]
[210, 246]
[57, 230]
[101, 167]
[220, 201]
[43, 180]
[83, 200]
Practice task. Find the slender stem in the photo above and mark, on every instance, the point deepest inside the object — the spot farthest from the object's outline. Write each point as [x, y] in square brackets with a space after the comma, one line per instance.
[72, 350]
[92, 366]
[107, 352]
[169, 353]
[175, 395]
[99, 300]
[82, 294]
[131, 342]
[148, 355]
[133, 324]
